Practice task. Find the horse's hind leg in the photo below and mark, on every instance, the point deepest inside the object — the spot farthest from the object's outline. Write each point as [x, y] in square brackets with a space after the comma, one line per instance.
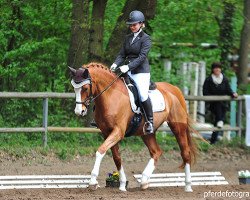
[180, 132]
[155, 153]
[117, 160]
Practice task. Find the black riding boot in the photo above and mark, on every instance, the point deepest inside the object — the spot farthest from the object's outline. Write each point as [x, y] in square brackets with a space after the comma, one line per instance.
[149, 122]
[214, 137]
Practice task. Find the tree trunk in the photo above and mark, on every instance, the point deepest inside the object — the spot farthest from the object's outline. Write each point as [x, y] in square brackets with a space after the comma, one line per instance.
[15, 25]
[79, 42]
[244, 47]
[96, 31]
[95, 47]
[119, 32]
[226, 33]
[148, 8]
[121, 29]
[79, 34]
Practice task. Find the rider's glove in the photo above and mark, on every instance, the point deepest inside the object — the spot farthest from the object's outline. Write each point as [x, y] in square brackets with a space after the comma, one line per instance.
[113, 67]
[124, 68]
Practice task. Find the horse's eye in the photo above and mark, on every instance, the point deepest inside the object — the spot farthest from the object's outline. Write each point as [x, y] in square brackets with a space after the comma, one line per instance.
[85, 89]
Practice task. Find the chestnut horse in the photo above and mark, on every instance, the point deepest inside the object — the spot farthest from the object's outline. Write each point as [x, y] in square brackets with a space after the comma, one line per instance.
[96, 83]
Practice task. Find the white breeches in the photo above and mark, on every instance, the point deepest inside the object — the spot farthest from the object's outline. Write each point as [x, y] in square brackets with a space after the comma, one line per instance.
[142, 81]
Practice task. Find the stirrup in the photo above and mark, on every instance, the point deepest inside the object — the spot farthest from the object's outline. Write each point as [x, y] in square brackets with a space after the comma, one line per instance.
[148, 128]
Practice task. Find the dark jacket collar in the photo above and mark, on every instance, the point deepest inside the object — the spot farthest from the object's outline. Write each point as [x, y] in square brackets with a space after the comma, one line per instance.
[137, 38]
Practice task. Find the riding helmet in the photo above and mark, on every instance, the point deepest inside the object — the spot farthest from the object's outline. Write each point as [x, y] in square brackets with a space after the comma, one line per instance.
[135, 16]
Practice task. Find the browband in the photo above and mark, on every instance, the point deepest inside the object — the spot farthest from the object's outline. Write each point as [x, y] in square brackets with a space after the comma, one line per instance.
[79, 85]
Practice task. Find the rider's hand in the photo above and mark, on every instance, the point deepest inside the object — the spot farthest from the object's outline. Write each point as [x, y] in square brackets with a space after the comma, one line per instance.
[235, 95]
[113, 67]
[124, 68]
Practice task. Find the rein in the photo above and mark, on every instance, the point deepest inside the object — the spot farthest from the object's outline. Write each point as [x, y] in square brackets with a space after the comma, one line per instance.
[94, 98]
[90, 99]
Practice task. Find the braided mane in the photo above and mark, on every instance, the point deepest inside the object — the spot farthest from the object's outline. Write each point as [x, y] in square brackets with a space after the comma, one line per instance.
[97, 65]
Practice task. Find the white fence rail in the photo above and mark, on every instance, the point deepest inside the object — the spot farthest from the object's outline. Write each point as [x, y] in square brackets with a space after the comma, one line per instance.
[178, 179]
[44, 181]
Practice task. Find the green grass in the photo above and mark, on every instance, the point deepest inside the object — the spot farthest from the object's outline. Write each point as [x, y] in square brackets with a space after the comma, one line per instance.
[63, 145]
[67, 145]
[248, 89]
[235, 142]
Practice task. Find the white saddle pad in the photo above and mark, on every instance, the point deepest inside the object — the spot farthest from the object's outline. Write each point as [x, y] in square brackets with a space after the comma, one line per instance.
[156, 98]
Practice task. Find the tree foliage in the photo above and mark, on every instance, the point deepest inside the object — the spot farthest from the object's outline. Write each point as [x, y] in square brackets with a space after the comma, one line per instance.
[192, 22]
[38, 40]
[34, 39]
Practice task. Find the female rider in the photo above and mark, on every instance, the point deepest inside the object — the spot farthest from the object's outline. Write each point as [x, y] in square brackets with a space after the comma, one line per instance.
[134, 53]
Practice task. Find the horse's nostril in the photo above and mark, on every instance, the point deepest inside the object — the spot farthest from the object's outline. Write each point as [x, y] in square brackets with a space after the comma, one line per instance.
[84, 112]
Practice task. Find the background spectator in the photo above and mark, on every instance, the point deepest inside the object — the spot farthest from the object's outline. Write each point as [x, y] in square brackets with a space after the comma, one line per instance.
[217, 84]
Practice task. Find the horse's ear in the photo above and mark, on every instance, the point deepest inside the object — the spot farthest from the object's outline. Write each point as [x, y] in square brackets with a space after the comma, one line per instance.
[85, 74]
[72, 71]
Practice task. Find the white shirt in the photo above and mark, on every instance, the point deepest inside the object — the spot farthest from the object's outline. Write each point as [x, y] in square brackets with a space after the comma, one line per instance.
[135, 35]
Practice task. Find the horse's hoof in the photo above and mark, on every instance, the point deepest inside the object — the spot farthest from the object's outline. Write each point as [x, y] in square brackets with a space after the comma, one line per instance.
[188, 189]
[122, 186]
[94, 186]
[144, 186]
[123, 189]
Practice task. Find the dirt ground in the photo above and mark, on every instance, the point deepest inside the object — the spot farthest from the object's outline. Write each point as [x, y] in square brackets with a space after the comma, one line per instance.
[225, 160]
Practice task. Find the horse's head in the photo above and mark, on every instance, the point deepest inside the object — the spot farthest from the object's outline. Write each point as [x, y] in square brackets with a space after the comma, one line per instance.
[81, 81]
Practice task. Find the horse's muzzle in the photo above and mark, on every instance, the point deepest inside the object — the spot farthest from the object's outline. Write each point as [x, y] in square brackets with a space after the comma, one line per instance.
[84, 112]
[81, 112]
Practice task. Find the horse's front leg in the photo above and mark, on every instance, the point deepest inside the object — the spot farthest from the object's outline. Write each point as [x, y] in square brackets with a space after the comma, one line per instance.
[117, 160]
[110, 141]
[95, 172]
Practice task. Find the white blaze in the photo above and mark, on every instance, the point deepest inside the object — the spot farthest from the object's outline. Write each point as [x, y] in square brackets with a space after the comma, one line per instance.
[78, 108]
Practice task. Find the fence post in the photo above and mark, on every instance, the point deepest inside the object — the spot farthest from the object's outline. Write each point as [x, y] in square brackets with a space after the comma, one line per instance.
[184, 81]
[233, 106]
[45, 121]
[201, 104]
[193, 68]
[167, 68]
[239, 115]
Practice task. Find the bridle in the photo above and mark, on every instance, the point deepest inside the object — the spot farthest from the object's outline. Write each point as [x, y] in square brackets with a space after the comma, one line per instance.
[90, 98]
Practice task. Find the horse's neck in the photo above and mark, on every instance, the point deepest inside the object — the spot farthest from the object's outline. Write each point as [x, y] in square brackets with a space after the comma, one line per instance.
[102, 79]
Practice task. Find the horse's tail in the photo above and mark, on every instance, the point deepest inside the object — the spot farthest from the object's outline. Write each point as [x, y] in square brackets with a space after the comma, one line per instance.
[191, 142]
[190, 132]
